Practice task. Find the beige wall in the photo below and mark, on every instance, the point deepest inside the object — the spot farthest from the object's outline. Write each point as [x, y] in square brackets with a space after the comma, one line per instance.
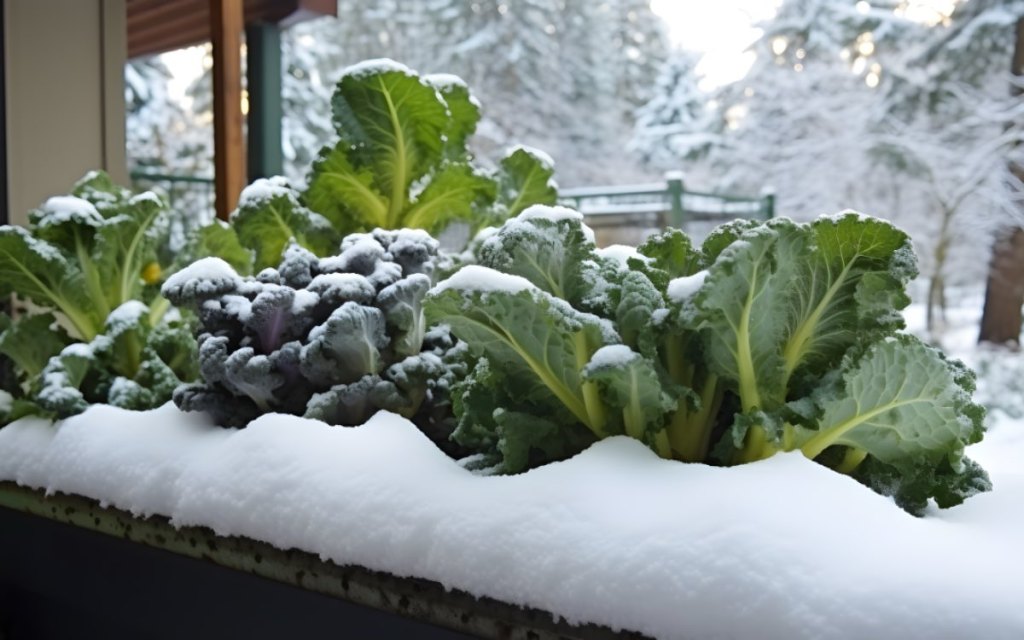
[65, 96]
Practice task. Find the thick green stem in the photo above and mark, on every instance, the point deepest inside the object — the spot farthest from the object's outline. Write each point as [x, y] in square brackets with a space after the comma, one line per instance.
[750, 396]
[92, 280]
[596, 416]
[851, 460]
[690, 433]
[157, 309]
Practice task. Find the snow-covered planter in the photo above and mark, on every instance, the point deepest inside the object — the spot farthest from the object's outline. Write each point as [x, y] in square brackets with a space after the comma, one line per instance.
[615, 536]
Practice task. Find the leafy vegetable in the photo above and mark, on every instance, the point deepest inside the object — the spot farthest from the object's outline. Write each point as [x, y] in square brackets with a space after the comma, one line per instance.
[89, 263]
[334, 338]
[402, 158]
[771, 337]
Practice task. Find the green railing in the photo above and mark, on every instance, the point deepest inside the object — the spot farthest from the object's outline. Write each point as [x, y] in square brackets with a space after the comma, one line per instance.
[619, 214]
[663, 204]
[190, 196]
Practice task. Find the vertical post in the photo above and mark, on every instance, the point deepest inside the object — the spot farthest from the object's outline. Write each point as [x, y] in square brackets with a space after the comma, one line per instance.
[674, 180]
[4, 201]
[226, 24]
[768, 203]
[263, 73]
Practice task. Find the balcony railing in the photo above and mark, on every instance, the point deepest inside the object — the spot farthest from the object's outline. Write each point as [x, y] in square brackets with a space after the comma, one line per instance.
[623, 214]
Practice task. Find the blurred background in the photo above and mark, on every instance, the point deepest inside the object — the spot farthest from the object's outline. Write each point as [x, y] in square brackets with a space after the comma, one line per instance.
[909, 110]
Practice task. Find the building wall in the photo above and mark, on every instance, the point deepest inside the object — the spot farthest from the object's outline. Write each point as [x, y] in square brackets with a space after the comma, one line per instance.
[64, 67]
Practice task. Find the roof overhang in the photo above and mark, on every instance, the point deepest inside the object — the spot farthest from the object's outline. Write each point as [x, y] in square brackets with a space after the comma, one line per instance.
[155, 26]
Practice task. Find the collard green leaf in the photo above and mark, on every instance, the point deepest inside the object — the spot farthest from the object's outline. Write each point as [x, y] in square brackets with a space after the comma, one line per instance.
[629, 382]
[743, 305]
[455, 192]
[851, 290]
[550, 247]
[463, 111]
[402, 158]
[38, 271]
[31, 342]
[508, 432]
[269, 216]
[671, 256]
[126, 244]
[542, 343]
[344, 194]
[221, 240]
[637, 301]
[525, 178]
[900, 400]
[393, 122]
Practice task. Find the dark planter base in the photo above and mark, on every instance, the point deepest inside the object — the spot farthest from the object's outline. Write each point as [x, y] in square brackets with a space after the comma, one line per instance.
[60, 577]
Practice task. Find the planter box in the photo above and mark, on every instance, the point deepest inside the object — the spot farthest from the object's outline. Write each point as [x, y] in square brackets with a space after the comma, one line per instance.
[71, 568]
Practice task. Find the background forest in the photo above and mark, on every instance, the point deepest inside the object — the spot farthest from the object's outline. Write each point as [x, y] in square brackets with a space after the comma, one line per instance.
[909, 110]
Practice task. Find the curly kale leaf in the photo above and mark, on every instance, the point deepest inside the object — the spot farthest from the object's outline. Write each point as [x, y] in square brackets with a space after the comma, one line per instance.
[336, 338]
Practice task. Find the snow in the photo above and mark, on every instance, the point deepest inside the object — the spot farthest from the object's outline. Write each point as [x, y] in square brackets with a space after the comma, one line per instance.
[348, 286]
[612, 355]
[541, 156]
[682, 289]
[6, 402]
[375, 66]
[482, 279]
[621, 254]
[62, 209]
[264, 189]
[125, 317]
[554, 214]
[211, 271]
[146, 196]
[615, 536]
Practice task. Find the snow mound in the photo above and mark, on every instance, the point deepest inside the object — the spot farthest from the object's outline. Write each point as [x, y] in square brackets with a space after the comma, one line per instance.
[783, 548]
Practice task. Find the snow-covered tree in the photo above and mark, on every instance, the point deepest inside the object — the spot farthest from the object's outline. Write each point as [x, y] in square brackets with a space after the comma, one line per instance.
[561, 75]
[879, 106]
[677, 124]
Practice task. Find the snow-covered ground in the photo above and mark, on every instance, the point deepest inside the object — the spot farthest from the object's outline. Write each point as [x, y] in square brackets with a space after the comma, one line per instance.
[782, 548]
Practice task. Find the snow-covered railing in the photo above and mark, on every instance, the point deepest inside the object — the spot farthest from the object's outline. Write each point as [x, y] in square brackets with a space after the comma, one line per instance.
[191, 197]
[669, 201]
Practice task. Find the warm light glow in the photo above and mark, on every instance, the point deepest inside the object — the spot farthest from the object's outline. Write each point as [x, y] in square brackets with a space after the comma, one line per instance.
[734, 115]
[845, 54]
[801, 54]
[863, 7]
[866, 48]
[871, 79]
[859, 65]
[779, 45]
[798, 67]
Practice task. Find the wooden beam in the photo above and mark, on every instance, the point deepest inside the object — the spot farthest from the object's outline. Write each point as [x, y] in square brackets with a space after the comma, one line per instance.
[226, 24]
[155, 26]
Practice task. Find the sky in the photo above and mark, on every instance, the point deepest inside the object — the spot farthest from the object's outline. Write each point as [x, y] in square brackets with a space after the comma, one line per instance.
[720, 29]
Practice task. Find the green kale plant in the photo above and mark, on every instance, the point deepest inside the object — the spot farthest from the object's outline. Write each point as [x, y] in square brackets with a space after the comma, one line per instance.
[772, 336]
[96, 332]
[401, 161]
